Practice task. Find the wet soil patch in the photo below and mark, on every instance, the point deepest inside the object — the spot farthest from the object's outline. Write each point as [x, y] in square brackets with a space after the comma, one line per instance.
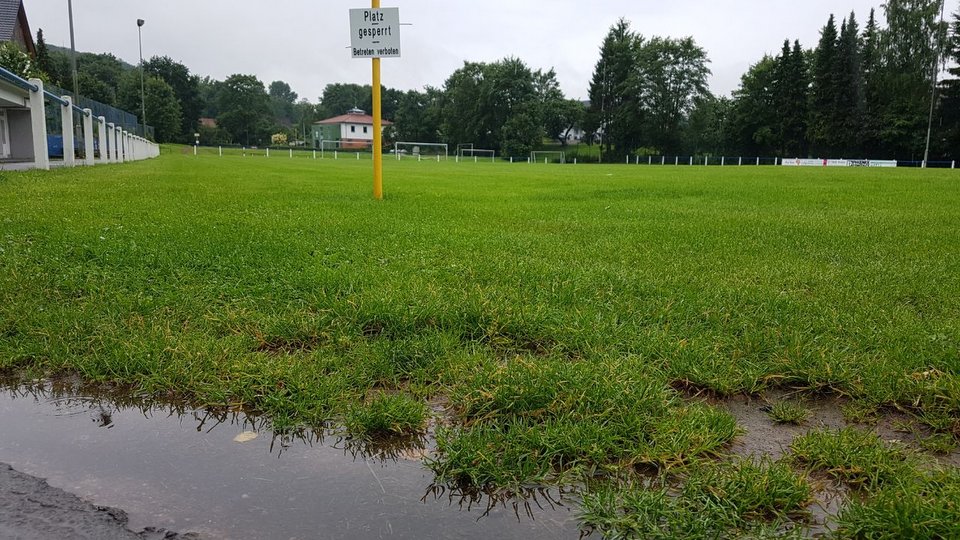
[763, 436]
[32, 509]
[223, 474]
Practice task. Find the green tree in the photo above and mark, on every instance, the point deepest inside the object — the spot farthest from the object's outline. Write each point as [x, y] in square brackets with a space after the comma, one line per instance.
[790, 95]
[850, 106]
[615, 112]
[754, 123]
[419, 116]
[561, 116]
[282, 101]
[521, 134]
[339, 98]
[42, 59]
[187, 89]
[705, 132]
[244, 109]
[672, 76]
[304, 114]
[163, 107]
[99, 77]
[17, 61]
[950, 96]
[909, 48]
[870, 66]
[823, 129]
[209, 89]
[480, 99]
[464, 107]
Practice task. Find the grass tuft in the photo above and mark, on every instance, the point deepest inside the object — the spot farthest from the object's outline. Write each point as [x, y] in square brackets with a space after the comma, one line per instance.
[788, 412]
[743, 498]
[386, 415]
[858, 458]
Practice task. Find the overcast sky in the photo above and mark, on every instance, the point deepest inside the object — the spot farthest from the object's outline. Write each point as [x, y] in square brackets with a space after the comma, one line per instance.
[304, 42]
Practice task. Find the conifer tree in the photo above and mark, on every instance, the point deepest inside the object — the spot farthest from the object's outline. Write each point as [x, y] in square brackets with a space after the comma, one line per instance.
[849, 106]
[42, 60]
[823, 98]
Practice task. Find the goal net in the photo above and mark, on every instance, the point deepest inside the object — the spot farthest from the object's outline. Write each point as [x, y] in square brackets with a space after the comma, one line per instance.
[548, 157]
[475, 154]
[420, 150]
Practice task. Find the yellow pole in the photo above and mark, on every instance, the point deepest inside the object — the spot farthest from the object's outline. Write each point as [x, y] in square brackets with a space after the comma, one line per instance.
[377, 133]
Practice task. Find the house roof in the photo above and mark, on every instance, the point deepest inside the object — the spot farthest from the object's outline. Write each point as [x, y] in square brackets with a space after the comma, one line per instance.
[13, 15]
[365, 119]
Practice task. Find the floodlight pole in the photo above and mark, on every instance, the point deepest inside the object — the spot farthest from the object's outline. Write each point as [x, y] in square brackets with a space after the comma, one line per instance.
[933, 88]
[143, 95]
[73, 51]
[377, 135]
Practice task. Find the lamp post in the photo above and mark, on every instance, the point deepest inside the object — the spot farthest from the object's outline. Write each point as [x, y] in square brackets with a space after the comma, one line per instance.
[143, 96]
[73, 51]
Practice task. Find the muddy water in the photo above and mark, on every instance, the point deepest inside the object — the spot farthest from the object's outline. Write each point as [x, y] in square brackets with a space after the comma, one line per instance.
[184, 471]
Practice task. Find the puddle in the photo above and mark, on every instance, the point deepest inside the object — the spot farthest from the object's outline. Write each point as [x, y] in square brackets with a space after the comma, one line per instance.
[763, 436]
[183, 470]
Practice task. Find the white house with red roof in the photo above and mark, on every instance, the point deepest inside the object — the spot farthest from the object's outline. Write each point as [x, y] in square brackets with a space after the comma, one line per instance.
[353, 130]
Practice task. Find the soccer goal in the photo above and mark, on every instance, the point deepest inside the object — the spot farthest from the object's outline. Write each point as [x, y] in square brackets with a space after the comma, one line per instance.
[548, 157]
[421, 150]
[475, 154]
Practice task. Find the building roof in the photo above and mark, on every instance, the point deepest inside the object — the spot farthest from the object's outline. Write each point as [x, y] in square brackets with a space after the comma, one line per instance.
[352, 118]
[13, 15]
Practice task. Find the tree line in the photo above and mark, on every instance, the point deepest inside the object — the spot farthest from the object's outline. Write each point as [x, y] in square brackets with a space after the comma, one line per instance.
[857, 93]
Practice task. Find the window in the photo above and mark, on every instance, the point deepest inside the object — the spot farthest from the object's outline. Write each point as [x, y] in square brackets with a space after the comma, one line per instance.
[353, 129]
[364, 129]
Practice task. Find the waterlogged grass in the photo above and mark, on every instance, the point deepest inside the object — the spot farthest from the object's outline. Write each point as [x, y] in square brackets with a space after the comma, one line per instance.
[556, 309]
[755, 499]
[386, 415]
[904, 495]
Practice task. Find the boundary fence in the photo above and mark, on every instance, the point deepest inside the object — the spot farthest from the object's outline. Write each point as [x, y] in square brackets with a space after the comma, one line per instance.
[31, 148]
[681, 161]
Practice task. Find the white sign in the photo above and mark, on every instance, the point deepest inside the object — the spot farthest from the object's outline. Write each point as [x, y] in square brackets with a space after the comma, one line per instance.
[837, 163]
[375, 33]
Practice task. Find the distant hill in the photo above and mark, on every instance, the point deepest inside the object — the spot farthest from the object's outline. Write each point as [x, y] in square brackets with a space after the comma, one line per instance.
[65, 50]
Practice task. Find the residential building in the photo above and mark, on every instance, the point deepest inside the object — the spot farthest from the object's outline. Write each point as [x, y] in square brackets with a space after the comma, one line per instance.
[14, 26]
[353, 130]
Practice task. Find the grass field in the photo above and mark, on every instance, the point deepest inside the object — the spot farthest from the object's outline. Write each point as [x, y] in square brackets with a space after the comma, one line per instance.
[567, 316]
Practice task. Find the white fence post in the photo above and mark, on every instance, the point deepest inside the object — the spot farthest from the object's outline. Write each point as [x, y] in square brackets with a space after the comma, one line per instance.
[663, 160]
[268, 151]
[691, 161]
[88, 137]
[291, 152]
[953, 164]
[649, 160]
[676, 160]
[758, 162]
[102, 130]
[111, 143]
[314, 154]
[723, 161]
[38, 122]
[740, 161]
[220, 150]
[66, 117]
